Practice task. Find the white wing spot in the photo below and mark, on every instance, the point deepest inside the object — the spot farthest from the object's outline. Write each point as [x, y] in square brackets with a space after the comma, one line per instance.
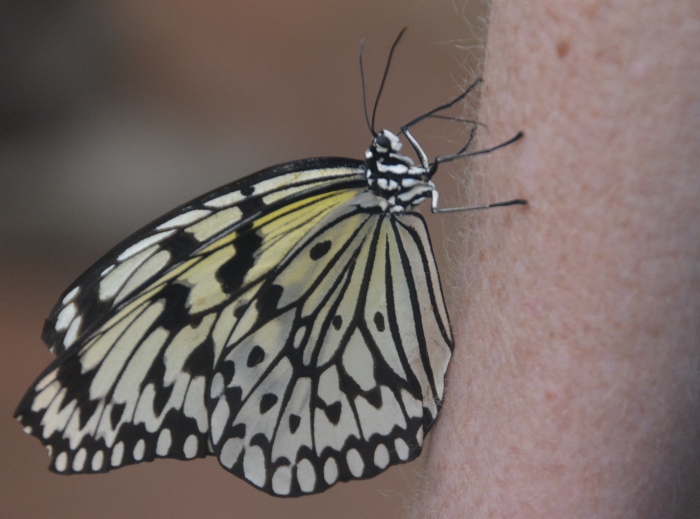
[70, 296]
[61, 462]
[194, 403]
[72, 332]
[225, 200]
[150, 267]
[230, 452]
[306, 474]
[165, 440]
[381, 456]
[65, 317]
[282, 480]
[117, 454]
[330, 471]
[355, 463]
[219, 418]
[358, 362]
[27, 429]
[143, 244]
[139, 449]
[115, 279]
[419, 436]
[183, 219]
[214, 224]
[189, 449]
[98, 460]
[45, 381]
[413, 407]
[79, 460]
[299, 336]
[216, 389]
[254, 466]
[401, 448]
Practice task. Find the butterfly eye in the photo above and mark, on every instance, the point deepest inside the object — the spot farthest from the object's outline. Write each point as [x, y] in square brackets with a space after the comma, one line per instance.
[382, 141]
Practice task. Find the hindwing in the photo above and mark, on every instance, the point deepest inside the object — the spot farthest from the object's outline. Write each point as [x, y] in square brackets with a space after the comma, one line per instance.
[339, 375]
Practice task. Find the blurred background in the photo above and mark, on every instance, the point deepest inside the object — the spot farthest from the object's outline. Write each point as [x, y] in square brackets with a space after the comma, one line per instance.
[113, 112]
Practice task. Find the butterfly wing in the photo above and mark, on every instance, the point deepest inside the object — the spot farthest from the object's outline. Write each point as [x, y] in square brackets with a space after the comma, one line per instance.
[304, 341]
[335, 369]
[124, 272]
[136, 333]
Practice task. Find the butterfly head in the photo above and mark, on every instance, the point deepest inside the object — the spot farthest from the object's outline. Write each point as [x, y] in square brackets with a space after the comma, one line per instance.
[392, 175]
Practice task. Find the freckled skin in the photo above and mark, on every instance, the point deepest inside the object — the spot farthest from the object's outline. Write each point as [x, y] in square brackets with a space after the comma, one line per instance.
[574, 388]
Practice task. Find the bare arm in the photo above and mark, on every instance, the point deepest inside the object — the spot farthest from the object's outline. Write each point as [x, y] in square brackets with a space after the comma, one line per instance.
[575, 386]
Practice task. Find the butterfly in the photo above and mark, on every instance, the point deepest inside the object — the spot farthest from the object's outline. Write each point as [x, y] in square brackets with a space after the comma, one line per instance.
[291, 323]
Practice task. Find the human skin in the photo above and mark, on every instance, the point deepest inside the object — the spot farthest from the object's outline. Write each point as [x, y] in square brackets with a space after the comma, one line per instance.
[574, 391]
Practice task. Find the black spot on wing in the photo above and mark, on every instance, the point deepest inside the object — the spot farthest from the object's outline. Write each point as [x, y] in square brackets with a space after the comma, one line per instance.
[255, 357]
[87, 409]
[227, 370]
[232, 273]
[294, 421]
[337, 322]
[116, 414]
[267, 302]
[162, 395]
[175, 315]
[379, 321]
[374, 397]
[267, 402]
[237, 431]
[49, 334]
[333, 412]
[248, 190]
[320, 249]
[201, 361]
[180, 245]
[234, 398]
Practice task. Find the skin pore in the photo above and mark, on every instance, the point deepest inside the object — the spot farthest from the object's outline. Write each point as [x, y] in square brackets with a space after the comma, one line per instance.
[574, 390]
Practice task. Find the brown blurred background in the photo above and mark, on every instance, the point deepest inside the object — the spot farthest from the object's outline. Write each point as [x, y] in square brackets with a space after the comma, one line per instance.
[113, 112]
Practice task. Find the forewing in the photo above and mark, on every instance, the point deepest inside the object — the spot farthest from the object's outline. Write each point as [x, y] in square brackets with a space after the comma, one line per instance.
[124, 273]
[336, 367]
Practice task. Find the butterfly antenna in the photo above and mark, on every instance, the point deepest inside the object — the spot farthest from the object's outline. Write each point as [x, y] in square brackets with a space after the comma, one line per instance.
[386, 73]
[445, 106]
[462, 153]
[364, 88]
[436, 210]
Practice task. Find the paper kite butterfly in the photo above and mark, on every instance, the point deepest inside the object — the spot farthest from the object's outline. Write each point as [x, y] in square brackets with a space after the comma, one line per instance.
[290, 323]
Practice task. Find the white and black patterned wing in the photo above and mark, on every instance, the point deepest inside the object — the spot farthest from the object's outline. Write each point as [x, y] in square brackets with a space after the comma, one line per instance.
[304, 345]
[132, 386]
[336, 367]
[134, 264]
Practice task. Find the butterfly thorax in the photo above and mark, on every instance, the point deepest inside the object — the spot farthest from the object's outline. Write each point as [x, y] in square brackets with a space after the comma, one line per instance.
[393, 176]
